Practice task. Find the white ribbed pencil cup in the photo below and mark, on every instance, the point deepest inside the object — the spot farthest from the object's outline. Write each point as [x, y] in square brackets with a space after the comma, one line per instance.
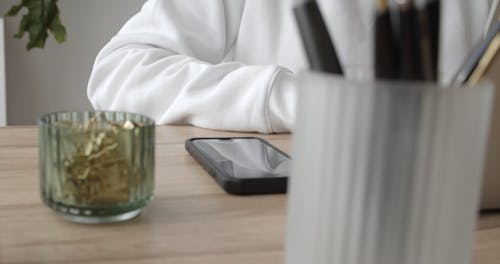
[385, 173]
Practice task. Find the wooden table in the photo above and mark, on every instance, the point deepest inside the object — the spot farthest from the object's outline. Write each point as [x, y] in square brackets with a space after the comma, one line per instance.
[189, 221]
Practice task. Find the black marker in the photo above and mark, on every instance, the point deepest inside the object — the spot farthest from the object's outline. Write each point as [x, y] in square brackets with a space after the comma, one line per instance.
[432, 13]
[411, 60]
[386, 50]
[428, 16]
[319, 48]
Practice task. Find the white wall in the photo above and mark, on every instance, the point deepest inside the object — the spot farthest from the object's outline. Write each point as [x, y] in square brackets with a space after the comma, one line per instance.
[3, 100]
[55, 78]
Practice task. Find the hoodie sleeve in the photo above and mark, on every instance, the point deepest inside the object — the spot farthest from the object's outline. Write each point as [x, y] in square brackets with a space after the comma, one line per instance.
[168, 62]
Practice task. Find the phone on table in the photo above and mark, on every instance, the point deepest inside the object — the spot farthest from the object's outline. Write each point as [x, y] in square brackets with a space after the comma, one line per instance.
[242, 165]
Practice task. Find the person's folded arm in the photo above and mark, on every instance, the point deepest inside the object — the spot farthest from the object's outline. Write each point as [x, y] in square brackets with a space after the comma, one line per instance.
[169, 62]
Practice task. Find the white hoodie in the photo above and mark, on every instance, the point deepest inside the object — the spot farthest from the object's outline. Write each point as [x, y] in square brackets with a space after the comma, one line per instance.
[229, 64]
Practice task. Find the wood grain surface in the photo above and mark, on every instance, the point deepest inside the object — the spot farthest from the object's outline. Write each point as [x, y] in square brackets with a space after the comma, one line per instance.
[190, 220]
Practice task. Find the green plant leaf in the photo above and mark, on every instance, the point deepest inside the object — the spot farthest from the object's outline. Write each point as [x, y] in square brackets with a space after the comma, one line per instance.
[41, 19]
[23, 26]
[58, 30]
[14, 10]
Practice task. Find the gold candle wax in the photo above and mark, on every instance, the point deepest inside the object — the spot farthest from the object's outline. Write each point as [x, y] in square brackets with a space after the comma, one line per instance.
[96, 166]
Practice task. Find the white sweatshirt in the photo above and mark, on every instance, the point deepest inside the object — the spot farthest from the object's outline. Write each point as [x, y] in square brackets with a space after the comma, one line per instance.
[229, 64]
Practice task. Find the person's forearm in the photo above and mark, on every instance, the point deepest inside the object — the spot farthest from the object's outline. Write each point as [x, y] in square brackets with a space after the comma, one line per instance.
[178, 89]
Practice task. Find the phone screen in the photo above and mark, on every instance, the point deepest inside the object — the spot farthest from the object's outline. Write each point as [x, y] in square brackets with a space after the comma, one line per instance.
[245, 157]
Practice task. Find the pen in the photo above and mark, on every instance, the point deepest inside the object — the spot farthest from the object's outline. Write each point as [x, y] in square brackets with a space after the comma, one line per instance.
[431, 16]
[319, 48]
[386, 51]
[491, 17]
[411, 64]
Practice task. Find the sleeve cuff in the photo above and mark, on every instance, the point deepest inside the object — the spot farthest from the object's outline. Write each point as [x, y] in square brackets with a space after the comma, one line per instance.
[282, 102]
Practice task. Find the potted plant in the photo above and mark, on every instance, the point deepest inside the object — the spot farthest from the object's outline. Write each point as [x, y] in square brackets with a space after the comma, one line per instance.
[41, 20]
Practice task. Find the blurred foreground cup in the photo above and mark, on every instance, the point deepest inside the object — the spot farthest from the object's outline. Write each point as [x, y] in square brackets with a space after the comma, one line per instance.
[386, 172]
[96, 167]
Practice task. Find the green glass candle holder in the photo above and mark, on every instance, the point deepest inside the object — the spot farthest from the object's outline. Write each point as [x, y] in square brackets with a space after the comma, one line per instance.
[97, 167]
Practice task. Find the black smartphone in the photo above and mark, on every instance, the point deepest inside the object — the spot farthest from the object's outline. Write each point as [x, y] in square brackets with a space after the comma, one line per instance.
[243, 166]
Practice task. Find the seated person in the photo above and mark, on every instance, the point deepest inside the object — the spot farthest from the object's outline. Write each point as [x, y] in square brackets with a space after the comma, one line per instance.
[230, 64]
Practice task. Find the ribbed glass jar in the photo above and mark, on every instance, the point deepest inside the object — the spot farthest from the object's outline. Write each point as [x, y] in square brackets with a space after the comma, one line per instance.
[97, 167]
[386, 171]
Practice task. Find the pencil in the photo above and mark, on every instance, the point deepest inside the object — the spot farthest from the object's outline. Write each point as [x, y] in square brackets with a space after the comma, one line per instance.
[486, 60]
[473, 59]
